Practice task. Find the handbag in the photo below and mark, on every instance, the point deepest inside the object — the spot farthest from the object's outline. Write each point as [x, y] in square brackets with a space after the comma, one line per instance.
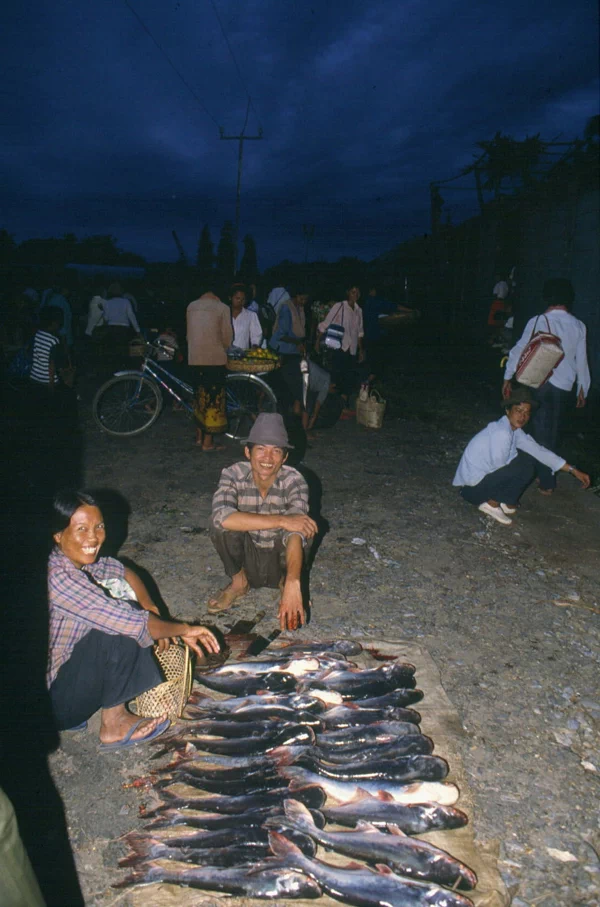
[334, 334]
[370, 408]
[540, 357]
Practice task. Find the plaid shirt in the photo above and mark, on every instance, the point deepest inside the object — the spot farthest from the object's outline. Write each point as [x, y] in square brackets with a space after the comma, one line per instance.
[237, 491]
[77, 605]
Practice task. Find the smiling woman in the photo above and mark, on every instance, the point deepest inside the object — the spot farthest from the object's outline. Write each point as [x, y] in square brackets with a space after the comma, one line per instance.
[100, 647]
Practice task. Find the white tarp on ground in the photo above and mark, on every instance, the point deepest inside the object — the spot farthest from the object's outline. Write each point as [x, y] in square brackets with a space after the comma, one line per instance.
[441, 722]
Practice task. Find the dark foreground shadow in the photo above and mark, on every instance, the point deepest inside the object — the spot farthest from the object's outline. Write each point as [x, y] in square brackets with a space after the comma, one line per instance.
[40, 453]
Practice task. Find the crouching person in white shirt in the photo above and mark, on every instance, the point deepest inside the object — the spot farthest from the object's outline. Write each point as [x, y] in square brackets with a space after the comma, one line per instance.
[498, 463]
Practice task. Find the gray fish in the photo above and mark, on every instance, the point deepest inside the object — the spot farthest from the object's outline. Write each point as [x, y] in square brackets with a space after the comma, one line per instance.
[382, 810]
[366, 887]
[290, 733]
[213, 821]
[249, 844]
[401, 746]
[352, 735]
[404, 769]
[311, 795]
[351, 714]
[370, 682]
[418, 792]
[342, 646]
[408, 856]
[246, 684]
[272, 883]
[395, 698]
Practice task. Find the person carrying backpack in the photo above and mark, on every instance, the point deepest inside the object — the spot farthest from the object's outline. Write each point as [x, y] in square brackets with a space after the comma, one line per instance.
[554, 395]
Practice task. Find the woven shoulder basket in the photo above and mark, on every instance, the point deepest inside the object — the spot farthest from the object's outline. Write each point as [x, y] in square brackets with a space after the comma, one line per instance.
[168, 698]
[252, 366]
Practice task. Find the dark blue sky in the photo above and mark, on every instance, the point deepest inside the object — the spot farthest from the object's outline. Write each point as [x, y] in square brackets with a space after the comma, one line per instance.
[362, 105]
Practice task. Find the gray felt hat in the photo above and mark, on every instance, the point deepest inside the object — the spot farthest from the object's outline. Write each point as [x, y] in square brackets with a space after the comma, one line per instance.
[269, 429]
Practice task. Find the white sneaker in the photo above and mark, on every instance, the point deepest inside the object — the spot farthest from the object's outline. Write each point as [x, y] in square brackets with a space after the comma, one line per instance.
[508, 508]
[496, 513]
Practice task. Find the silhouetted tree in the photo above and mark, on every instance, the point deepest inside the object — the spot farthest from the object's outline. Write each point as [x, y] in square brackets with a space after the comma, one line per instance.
[226, 253]
[508, 159]
[249, 265]
[205, 258]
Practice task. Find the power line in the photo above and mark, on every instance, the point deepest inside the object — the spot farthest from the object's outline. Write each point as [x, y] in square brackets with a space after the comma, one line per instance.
[170, 62]
[233, 57]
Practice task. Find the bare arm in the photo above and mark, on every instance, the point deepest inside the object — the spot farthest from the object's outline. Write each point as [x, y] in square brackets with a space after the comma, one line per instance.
[191, 635]
[291, 606]
[249, 522]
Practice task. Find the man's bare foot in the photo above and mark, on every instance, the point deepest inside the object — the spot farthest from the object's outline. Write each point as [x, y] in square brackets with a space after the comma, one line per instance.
[212, 447]
[546, 491]
[117, 722]
[226, 597]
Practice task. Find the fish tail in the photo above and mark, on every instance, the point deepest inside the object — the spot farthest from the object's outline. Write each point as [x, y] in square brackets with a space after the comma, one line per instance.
[283, 847]
[143, 846]
[138, 877]
[297, 813]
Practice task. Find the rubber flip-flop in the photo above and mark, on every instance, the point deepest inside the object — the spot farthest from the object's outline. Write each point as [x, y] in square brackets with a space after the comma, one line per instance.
[126, 741]
[78, 727]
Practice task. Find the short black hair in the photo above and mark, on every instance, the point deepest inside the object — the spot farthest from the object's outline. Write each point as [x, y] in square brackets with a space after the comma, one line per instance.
[66, 502]
[559, 291]
[49, 315]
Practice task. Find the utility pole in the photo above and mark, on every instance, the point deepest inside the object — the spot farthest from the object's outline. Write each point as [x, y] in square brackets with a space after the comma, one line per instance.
[241, 139]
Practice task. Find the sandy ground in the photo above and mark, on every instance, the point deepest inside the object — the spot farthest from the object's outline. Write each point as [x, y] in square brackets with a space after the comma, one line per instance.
[510, 616]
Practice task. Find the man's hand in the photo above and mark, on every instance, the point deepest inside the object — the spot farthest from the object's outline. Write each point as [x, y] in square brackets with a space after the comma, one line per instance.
[291, 607]
[580, 399]
[506, 389]
[583, 477]
[361, 355]
[300, 522]
[195, 635]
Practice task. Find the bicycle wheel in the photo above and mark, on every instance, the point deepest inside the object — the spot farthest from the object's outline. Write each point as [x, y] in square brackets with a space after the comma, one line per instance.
[127, 405]
[247, 396]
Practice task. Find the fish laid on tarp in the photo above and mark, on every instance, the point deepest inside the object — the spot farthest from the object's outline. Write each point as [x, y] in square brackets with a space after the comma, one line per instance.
[407, 856]
[195, 819]
[350, 714]
[370, 682]
[311, 795]
[396, 698]
[401, 746]
[244, 881]
[247, 684]
[418, 792]
[351, 736]
[224, 848]
[255, 783]
[346, 647]
[238, 746]
[382, 811]
[366, 887]
[402, 768]
[198, 732]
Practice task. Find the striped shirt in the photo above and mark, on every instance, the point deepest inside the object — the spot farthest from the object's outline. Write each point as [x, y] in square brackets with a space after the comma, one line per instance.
[77, 605]
[237, 491]
[44, 349]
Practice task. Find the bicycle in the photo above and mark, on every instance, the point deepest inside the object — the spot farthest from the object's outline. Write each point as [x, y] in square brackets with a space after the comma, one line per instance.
[131, 401]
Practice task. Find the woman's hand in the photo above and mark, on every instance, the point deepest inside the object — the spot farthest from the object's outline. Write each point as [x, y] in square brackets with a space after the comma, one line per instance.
[194, 635]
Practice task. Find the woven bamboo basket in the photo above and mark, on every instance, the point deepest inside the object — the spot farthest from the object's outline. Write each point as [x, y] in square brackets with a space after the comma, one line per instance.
[252, 366]
[168, 698]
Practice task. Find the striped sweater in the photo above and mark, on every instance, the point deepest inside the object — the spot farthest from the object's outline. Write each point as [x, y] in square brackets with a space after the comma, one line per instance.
[44, 349]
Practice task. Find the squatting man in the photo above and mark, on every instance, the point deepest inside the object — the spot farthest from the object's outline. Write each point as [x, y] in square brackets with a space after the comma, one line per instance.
[260, 525]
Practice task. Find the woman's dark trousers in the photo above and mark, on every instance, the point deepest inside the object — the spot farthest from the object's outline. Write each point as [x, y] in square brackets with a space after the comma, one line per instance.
[104, 670]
